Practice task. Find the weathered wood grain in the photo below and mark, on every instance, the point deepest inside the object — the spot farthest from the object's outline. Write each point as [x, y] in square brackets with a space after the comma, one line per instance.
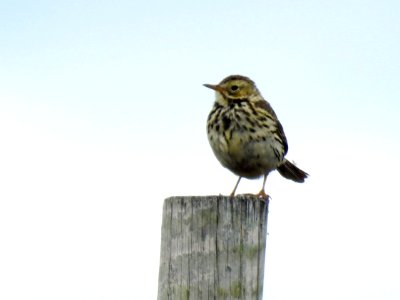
[213, 247]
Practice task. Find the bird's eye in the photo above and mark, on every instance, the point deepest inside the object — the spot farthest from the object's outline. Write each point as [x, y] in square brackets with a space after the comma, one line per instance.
[234, 88]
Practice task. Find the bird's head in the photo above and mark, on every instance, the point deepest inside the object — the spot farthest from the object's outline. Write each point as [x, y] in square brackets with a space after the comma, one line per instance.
[234, 88]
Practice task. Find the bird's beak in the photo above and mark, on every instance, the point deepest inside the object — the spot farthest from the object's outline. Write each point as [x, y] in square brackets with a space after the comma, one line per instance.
[214, 87]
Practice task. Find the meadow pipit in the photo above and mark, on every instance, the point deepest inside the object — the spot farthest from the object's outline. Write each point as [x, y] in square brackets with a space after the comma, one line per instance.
[245, 133]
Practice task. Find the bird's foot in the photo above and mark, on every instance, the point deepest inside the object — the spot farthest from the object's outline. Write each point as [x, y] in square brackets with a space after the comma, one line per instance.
[262, 195]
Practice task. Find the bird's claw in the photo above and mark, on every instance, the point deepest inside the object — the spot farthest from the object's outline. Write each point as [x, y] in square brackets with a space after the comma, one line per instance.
[262, 195]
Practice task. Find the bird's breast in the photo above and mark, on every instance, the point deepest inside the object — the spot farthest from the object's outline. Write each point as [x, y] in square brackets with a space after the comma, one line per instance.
[244, 144]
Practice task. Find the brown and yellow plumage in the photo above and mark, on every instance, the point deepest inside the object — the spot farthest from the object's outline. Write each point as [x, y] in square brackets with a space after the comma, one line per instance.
[245, 133]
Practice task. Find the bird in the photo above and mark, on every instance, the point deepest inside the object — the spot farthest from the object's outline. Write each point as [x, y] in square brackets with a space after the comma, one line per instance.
[245, 134]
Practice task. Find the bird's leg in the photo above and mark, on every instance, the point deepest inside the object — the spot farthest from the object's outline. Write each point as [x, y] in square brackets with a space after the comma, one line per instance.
[262, 193]
[234, 190]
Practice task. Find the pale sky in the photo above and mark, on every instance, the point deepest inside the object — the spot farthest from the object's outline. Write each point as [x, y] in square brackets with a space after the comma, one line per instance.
[102, 117]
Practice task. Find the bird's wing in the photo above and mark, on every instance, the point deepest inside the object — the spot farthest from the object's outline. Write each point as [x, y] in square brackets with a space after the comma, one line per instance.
[266, 106]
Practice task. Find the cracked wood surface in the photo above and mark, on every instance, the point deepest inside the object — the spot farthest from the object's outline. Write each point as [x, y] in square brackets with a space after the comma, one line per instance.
[213, 247]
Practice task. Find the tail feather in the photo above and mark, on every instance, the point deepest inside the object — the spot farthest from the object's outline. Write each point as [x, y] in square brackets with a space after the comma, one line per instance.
[290, 171]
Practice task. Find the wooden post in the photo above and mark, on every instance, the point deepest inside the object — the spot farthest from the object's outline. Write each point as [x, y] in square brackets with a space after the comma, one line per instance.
[213, 247]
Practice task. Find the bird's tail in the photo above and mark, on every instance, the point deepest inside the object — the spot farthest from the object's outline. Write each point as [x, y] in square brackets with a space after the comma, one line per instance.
[290, 171]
